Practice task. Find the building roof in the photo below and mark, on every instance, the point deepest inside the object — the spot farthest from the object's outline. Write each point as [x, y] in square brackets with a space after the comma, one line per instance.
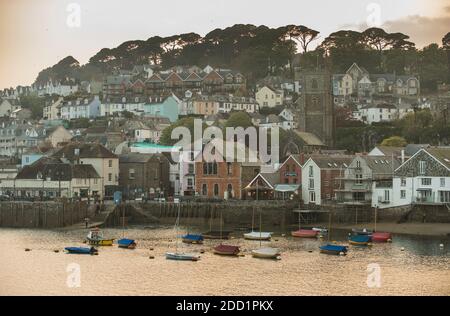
[412, 149]
[382, 165]
[442, 154]
[140, 158]
[332, 161]
[388, 151]
[74, 151]
[310, 139]
[54, 169]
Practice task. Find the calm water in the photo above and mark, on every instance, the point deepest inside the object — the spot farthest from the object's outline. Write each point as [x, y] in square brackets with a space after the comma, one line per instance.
[423, 268]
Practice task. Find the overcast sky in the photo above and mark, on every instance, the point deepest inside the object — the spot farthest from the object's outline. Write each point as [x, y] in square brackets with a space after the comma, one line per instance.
[34, 34]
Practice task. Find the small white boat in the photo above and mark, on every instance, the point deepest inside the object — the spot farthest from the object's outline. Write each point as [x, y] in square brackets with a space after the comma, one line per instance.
[258, 236]
[266, 253]
[320, 230]
[182, 256]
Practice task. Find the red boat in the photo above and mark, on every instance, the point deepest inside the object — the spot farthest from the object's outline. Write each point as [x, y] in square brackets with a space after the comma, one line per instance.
[226, 250]
[381, 237]
[305, 233]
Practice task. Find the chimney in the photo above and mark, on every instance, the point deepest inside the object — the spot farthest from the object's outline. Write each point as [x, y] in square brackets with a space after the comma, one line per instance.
[403, 156]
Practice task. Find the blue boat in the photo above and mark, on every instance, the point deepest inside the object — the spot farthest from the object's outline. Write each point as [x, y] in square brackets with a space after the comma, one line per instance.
[359, 240]
[81, 250]
[192, 239]
[333, 249]
[127, 243]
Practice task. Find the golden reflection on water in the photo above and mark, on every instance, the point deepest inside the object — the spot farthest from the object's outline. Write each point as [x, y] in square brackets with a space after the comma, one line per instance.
[126, 272]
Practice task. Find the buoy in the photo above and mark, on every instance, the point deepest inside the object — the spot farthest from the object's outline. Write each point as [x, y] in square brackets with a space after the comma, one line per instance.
[151, 249]
[310, 251]
[56, 251]
[26, 249]
[276, 239]
[342, 253]
[283, 235]
[202, 251]
[151, 257]
[402, 249]
[441, 246]
[389, 240]
[278, 258]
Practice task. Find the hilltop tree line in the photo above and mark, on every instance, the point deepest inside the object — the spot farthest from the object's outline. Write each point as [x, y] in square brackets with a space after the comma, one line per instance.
[259, 50]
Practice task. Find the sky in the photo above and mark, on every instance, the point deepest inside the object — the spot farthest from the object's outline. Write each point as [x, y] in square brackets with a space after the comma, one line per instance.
[36, 34]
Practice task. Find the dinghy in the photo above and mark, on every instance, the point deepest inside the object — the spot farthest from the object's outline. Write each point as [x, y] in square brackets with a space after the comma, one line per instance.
[226, 250]
[95, 237]
[258, 236]
[192, 239]
[81, 250]
[363, 232]
[359, 240]
[182, 256]
[333, 249]
[305, 233]
[127, 244]
[217, 235]
[266, 253]
[381, 237]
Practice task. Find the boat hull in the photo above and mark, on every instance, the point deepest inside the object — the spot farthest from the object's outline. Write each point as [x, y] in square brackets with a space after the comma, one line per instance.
[359, 240]
[81, 251]
[226, 250]
[258, 236]
[102, 242]
[333, 250]
[266, 253]
[381, 237]
[127, 244]
[193, 239]
[304, 233]
[182, 256]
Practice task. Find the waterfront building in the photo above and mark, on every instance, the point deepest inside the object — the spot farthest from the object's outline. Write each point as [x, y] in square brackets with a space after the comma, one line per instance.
[105, 163]
[269, 97]
[424, 178]
[144, 175]
[322, 177]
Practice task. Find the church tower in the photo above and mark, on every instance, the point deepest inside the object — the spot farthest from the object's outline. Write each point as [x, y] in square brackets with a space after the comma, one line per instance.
[315, 105]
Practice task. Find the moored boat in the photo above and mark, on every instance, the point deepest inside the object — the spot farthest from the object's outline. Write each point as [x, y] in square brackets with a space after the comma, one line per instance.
[305, 233]
[266, 253]
[95, 237]
[333, 249]
[363, 232]
[226, 250]
[217, 235]
[81, 250]
[192, 239]
[258, 236]
[359, 240]
[381, 237]
[127, 243]
[182, 256]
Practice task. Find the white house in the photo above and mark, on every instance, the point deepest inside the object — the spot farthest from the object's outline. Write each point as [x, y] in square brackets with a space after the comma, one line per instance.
[88, 107]
[424, 178]
[375, 113]
[7, 106]
[116, 105]
[268, 97]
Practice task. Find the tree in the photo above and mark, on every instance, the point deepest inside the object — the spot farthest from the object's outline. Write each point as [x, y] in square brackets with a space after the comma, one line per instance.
[33, 103]
[446, 41]
[302, 34]
[394, 141]
[239, 119]
[433, 66]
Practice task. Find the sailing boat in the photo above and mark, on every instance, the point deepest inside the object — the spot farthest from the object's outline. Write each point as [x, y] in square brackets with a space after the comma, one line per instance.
[257, 235]
[214, 234]
[304, 233]
[380, 236]
[331, 249]
[192, 238]
[266, 252]
[125, 243]
[225, 250]
[180, 255]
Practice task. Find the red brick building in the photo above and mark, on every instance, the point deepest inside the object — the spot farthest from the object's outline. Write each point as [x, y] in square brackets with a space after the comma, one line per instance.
[291, 170]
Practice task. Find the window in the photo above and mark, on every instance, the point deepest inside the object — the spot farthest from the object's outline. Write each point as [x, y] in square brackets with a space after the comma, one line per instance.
[210, 168]
[312, 197]
[191, 168]
[190, 183]
[359, 179]
[131, 174]
[229, 168]
[426, 181]
[230, 190]
[216, 189]
[422, 167]
[204, 189]
[403, 182]
[403, 194]
[110, 163]
[358, 164]
[109, 176]
[386, 195]
[311, 184]
[311, 171]
[442, 182]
